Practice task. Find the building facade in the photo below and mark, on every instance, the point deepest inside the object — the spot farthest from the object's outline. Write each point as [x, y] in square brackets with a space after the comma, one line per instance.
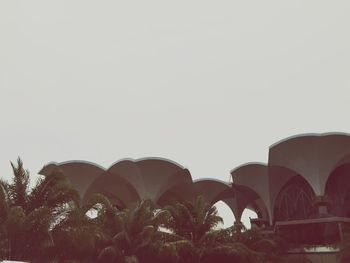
[303, 191]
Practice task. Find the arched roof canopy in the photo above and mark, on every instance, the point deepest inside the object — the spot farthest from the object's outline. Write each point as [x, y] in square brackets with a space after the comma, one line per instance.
[265, 180]
[295, 201]
[80, 173]
[151, 177]
[214, 190]
[313, 156]
[254, 176]
[246, 197]
[177, 193]
[279, 177]
[118, 190]
[211, 189]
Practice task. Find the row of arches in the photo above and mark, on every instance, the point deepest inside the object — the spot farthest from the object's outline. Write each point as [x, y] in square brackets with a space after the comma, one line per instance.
[297, 200]
[300, 171]
[306, 176]
[160, 180]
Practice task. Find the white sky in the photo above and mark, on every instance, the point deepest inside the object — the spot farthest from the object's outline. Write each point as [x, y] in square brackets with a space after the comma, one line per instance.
[208, 84]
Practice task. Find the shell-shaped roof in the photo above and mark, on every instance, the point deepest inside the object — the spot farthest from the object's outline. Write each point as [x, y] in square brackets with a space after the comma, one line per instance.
[212, 190]
[152, 176]
[255, 177]
[313, 156]
[126, 181]
[80, 173]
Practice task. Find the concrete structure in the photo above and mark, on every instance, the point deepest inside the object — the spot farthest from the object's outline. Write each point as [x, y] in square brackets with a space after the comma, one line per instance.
[303, 192]
[306, 182]
[129, 181]
[306, 176]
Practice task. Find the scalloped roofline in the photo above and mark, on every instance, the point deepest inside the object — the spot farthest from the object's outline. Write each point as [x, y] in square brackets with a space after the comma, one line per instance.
[300, 135]
[118, 161]
[76, 161]
[211, 179]
[157, 158]
[247, 164]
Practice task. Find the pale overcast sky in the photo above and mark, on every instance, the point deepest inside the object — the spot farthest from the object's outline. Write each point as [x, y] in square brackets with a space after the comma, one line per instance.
[208, 84]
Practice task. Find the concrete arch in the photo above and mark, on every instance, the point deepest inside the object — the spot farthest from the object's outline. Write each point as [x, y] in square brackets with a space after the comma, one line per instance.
[118, 190]
[145, 178]
[177, 193]
[295, 200]
[130, 172]
[265, 180]
[80, 173]
[158, 173]
[308, 134]
[279, 177]
[254, 176]
[259, 208]
[246, 197]
[211, 189]
[179, 178]
[150, 176]
[214, 190]
[311, 156]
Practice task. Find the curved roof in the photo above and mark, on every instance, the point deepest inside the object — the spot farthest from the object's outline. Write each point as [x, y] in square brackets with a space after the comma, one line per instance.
[311, 156]
[314, 157]
[254, 176]
[118, 190]
[80, 173]
[126, 180]
[210, 189]
[151, 177]
[310, 134]
[244, 197]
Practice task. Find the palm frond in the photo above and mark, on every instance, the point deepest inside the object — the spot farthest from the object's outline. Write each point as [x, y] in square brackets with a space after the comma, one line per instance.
[19, 188]
[52, 190]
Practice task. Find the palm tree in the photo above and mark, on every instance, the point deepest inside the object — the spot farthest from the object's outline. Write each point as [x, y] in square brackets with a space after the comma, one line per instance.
[77, 236]
[247, 245]
[141, 238]
[49, 223]
[138, 230]
[193, 221]
[26, 215]
[196, 222]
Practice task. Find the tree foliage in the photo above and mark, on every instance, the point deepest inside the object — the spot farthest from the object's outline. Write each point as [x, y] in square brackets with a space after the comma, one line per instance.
[50, 223]
[27, 215]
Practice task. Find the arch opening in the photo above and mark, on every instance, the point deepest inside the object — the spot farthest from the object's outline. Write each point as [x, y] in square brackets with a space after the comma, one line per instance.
[226, 213]
[248, 214]
[295, 201]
